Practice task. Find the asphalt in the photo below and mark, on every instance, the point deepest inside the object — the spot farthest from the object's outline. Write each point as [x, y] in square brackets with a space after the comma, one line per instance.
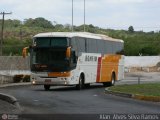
[8, 103]
[67, 100]
[7, 108]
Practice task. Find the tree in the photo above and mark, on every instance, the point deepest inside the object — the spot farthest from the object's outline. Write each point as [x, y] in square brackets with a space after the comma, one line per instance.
[149, 50]
[59, 27]
[131, 29]
[38, 22]
[11, 23]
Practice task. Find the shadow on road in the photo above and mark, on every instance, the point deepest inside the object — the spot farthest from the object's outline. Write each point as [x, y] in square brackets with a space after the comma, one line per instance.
[71, 88]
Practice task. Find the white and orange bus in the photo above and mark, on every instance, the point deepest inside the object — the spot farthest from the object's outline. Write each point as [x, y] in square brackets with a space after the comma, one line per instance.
[75, 58]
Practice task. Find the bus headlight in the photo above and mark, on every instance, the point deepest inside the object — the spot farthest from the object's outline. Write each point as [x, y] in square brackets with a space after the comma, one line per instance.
[33, 82]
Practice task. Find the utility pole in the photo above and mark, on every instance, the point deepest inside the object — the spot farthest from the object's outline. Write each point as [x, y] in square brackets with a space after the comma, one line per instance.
[1, 41]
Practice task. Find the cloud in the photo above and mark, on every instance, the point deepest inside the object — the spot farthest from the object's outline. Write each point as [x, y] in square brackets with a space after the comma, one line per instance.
[125, 1]
[103, 13]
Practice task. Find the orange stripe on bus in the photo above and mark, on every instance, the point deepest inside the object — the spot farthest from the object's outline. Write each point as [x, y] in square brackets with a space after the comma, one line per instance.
[109, 65]
[59, 74]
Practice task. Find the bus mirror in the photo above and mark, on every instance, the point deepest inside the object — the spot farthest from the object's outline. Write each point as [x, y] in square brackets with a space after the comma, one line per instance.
[68, 52]
[24, 52]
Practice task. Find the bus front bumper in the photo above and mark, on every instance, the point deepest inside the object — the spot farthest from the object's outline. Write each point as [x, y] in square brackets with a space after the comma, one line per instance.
[36, 80]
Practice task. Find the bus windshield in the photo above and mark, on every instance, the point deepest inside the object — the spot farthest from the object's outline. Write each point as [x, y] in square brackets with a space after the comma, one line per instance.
[50, 42]
[51, 53]
[47, 55]
[54, 59]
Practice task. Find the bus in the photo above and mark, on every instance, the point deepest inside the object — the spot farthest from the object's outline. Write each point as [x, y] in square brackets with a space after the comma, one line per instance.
[75, 59]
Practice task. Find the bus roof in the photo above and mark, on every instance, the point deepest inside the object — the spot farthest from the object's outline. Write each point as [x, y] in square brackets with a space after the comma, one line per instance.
[77, 34]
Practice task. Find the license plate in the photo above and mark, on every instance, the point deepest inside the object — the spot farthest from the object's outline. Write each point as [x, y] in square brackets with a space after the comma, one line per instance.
[47, 81]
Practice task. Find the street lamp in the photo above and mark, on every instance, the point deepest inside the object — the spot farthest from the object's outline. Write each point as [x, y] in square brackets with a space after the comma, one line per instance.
[84, 15]
[72, 15]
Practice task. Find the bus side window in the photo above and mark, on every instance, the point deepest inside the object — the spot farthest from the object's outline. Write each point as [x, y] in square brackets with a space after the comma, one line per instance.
[73, 57]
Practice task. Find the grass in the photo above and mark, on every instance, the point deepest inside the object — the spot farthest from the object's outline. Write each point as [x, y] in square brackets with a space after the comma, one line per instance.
[142, 89]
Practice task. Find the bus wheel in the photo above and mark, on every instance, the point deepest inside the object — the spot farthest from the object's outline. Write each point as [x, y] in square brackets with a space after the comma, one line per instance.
[113, 79]
[87, 85]
[46, 87]
[107, 84]
[81, 83]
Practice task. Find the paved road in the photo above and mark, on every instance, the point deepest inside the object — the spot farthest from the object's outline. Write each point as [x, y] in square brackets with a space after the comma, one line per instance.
[6, 107]
[34, 99]
[93, 100]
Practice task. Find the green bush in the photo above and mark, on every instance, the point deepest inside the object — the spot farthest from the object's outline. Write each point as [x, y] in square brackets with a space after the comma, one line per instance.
[21, 78]
[26, 78]
[17, 78]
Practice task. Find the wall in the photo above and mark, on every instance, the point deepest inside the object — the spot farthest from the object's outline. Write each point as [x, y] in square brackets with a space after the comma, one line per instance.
[14, 63]
[11, 65]
[4, 79]
[141, 61]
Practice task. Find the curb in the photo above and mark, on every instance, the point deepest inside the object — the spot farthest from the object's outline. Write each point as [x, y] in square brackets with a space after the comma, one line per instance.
[146, 98]
[14, 84]
[134, 96]
[10, 99]
[118, 93]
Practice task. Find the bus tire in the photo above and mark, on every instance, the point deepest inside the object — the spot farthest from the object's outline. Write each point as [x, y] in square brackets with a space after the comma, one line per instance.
[87, 85]
[46, 87]
[81, 83]
[113, 79]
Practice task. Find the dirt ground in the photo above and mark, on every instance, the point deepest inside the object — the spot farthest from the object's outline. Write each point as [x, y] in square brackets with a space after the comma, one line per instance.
[142, 77]
[142, 69]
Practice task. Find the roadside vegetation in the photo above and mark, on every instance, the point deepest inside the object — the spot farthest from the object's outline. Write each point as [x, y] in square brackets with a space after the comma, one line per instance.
[151, 89]
[19, 34]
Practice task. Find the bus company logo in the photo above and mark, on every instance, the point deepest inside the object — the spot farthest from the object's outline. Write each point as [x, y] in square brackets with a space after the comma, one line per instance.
[91, 58]
[4, 117]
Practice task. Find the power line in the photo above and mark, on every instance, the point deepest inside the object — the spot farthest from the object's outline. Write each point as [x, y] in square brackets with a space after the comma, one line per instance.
[1, 41]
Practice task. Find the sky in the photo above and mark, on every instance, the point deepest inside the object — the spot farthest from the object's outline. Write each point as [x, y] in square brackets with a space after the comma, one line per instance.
[113, 14]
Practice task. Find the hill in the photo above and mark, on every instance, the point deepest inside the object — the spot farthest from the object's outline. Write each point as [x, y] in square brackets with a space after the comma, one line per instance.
[19, 34]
